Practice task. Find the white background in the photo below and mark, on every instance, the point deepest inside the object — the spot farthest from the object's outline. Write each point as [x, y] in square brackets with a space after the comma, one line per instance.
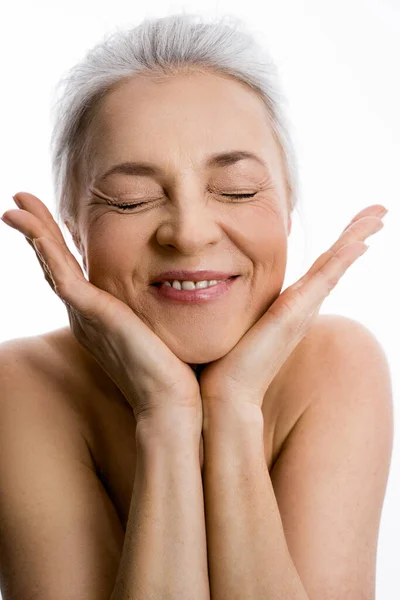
[339, 65]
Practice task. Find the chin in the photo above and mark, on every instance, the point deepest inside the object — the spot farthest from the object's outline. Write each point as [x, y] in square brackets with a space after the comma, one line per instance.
[198, 353]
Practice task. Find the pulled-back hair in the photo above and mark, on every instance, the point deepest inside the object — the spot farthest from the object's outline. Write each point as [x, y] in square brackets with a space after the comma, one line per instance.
[159, 47]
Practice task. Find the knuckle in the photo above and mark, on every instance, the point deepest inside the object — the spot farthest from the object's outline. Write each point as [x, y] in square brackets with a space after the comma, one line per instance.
[299, 294]
[281, 310]
[330, 281]
[297, 302]
[325, 281]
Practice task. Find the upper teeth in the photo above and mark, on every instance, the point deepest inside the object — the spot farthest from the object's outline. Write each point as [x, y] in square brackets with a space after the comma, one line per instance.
[191, 285]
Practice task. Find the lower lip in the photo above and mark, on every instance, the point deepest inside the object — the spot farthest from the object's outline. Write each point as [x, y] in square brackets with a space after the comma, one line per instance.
[194, 296]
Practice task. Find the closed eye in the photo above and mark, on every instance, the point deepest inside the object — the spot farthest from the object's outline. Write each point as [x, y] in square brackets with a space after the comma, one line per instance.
[239, 195]
[125, 206]
[132, 206]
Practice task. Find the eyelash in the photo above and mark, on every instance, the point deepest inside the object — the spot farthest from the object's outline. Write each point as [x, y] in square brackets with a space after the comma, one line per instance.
[126, 206]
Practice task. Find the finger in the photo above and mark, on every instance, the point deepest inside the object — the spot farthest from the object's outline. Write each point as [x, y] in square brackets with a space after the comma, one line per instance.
[46, 271]
[304, 300]
[33, 205]
[33, 227]
[52, 268]
[375, 210]
[70, 284]
[63, 272]
[359, 231]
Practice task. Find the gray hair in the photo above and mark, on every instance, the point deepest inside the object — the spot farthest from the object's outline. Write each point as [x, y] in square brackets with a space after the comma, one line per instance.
[159, 46]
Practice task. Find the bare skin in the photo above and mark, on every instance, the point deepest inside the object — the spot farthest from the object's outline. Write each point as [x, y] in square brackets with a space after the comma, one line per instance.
[188, 218]
[82, 399]
[176, 124]
[196, 227]
[107, 419]
[79, 411]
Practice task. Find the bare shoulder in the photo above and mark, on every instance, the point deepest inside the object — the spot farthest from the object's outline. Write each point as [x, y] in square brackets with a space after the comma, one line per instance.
[323, 368]
[55, 516]
[47, 376]
[331, 471]
[344, 358]
[334, 346]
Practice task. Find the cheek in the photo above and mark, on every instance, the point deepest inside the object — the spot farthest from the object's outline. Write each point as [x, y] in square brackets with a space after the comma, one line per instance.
[267, 250]
[269, 275]
[111, 249]
[266, 241]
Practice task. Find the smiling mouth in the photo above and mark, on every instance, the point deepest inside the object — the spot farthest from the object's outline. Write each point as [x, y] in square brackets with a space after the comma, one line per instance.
[193, 296]
[160, 283]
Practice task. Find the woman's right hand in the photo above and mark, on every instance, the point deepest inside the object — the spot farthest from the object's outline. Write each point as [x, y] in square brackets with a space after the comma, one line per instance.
[151, 377]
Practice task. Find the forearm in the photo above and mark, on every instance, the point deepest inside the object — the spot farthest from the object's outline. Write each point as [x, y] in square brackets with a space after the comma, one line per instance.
[165, 555]
[247, 552]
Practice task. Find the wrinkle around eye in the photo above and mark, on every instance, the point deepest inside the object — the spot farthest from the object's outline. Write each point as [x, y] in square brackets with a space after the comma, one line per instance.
[257, 193]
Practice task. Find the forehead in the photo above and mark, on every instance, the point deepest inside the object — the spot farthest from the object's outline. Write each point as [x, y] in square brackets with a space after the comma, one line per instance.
[183, 117]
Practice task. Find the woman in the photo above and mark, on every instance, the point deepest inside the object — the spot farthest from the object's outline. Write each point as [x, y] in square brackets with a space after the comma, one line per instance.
[184, 437]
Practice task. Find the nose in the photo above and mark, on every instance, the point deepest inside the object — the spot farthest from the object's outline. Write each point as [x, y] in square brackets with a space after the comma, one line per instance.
[190, 226]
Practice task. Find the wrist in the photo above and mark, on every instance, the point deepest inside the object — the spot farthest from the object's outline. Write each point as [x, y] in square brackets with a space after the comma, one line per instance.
[169, 427]
[230, 414]
[233, 436]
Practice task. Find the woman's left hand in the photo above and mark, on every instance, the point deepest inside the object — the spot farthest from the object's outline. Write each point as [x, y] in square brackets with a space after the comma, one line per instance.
[244, 374]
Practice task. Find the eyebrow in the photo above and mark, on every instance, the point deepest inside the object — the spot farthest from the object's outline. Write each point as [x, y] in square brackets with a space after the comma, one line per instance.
[221, 159]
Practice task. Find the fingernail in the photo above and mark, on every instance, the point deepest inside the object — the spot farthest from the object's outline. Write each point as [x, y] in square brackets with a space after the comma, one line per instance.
[383, 213]
[5, 219]
[17, 202]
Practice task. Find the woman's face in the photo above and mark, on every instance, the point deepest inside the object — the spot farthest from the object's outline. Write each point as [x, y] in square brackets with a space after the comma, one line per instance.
[187, 220]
